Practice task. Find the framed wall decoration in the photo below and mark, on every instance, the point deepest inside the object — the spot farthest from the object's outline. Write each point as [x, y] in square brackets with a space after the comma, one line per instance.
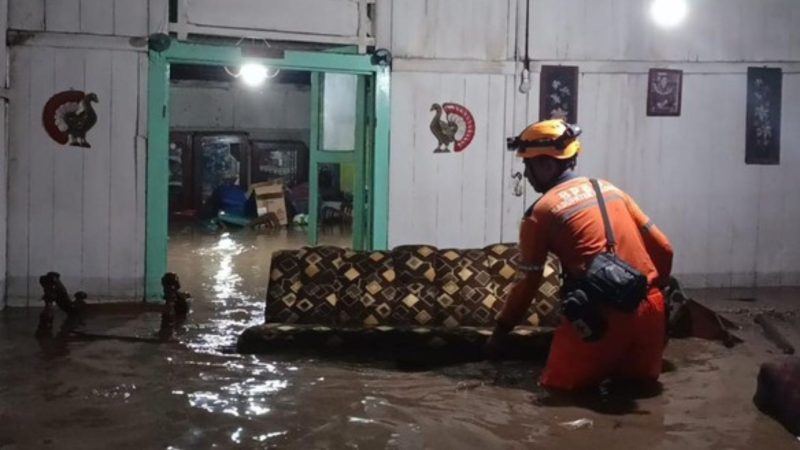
[68, 116]
[763, 124]
[664, 88]
[558, 93]
[453, 126]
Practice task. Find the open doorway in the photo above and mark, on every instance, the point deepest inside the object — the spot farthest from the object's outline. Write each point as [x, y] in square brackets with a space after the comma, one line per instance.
[239, 158]
[299, 160]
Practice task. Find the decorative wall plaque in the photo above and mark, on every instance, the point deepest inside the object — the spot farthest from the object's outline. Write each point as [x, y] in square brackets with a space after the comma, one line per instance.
[68, 116]
[558, 93]
[452, 125]
[763, 137]
[664, 92]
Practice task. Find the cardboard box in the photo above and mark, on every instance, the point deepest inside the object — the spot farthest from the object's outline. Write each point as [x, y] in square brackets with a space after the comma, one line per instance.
[269, 199]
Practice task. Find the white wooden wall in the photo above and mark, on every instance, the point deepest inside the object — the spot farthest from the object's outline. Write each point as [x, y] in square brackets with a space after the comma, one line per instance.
[731, 224]
[452, 51]
[276, 110]
[622, 30]
[77, 211]
[322, 21]
[3, 148]
[452, 29]
[103, 17]
[451, 200]
[323, 17]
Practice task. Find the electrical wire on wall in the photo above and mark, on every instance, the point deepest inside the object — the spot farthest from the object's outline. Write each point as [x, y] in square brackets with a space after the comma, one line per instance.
[518, 180]
[525, 76]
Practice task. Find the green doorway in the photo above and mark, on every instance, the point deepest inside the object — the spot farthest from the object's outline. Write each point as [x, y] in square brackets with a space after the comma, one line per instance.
[352, 139]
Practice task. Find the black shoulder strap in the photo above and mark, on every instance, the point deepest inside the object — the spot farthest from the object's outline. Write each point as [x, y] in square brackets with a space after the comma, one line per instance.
[606, 222]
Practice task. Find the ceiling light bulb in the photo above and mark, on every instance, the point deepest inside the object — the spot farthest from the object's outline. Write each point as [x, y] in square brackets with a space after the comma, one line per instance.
[253, 74]
[668, 13]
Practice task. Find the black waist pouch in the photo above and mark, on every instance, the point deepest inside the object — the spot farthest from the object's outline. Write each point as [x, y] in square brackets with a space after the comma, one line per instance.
[612, 281]
[608, 278]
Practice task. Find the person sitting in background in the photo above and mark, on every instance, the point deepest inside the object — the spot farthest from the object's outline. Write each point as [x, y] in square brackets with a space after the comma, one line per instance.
[228, 204]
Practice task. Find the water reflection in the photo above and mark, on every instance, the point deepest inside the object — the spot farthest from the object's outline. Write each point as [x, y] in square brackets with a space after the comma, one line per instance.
[245, 398]
[234, 405]
[359, 420]
[122, 391]
[226, 282]
[237, 435]
[265, 437]
[233, 310]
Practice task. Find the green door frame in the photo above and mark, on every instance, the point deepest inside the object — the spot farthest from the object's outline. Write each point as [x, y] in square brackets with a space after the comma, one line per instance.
[158, 136]
[319, 154]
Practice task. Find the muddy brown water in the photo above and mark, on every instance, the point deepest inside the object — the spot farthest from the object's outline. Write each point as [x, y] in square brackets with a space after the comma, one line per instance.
[194, 393]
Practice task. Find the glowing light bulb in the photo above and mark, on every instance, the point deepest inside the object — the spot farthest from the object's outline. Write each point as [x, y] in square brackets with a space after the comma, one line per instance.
[253, 74]
[668, 13]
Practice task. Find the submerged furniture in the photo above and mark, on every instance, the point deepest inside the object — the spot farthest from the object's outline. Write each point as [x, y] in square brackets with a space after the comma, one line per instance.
[778, 392]
[410, 299]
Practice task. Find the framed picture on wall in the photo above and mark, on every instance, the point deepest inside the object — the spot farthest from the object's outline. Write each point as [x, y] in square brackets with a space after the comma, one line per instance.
[763, 137]
[558, 93]
[664, 88]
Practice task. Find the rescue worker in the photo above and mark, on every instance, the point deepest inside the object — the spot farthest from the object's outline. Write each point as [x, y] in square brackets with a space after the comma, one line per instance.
[567, 221]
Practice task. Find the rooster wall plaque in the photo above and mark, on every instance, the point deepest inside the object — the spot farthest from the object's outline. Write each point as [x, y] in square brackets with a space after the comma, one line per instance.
[452, 124]
[68, 116]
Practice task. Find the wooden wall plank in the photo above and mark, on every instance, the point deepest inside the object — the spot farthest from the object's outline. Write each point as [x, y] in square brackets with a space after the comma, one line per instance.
[97, 16]
[42, 150]
[67, 255]
[495, 150]
[446, 185]
[97, 181]
[124, 254]
[401, 163]
[449, 171]
[450, 29]
[3, 151]
[18, 176]
[141, 163]
[424, 177]
[475, 176]
[158, 16]
[130, 18]
[511, 204]
[3, 202]
[62, 15]
[3, 46]
[330, 17]
[790, 136]
[26, 15]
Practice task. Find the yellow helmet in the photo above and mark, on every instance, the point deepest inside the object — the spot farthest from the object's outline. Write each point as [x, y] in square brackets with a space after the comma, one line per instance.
[554, 138]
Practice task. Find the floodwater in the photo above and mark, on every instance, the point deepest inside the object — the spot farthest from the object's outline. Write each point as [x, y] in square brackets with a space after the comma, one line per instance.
[195, 393]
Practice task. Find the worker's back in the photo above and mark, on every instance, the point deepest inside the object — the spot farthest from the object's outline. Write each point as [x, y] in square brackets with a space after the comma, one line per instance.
[576, 232]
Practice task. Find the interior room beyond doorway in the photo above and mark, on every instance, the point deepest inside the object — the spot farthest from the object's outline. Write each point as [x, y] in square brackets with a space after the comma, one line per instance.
[239, 161]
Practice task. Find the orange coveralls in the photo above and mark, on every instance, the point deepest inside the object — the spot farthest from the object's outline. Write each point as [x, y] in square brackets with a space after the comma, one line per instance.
[567, 222]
